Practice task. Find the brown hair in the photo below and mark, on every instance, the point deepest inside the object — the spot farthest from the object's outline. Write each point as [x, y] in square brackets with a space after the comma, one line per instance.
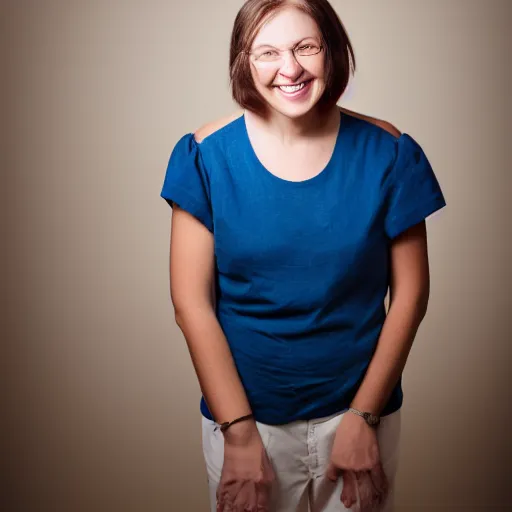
[339, 54]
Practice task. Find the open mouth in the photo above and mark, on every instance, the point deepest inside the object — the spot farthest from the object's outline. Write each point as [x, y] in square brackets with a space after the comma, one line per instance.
[291, 89]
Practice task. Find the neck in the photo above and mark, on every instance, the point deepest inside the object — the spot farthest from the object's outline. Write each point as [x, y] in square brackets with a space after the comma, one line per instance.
[292, 130]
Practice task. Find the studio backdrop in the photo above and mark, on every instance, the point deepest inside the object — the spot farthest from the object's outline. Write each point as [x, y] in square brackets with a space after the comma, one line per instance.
[103, 402]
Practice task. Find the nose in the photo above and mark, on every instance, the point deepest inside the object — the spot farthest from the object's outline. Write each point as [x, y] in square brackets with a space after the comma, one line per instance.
[290, 68]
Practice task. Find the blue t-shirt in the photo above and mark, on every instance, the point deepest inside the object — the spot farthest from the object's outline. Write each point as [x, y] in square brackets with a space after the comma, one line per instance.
[303, 268]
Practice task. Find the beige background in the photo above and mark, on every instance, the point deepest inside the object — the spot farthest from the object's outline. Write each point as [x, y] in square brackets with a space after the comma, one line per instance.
[103, 404]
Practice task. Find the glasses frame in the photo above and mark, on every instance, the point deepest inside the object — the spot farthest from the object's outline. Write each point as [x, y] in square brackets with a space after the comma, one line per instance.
[280, 59]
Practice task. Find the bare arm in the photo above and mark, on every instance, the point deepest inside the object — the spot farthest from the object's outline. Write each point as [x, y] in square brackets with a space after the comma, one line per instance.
[410, 286]
[192, 294]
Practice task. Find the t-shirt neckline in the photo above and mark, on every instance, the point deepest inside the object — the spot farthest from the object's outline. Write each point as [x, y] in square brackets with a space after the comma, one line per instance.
[322, 175]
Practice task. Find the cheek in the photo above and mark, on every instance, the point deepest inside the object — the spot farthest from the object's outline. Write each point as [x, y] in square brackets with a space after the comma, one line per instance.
[264, 77]
[317, 70]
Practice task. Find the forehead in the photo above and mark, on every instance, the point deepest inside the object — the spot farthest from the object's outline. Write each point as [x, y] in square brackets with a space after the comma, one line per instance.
[286, 27]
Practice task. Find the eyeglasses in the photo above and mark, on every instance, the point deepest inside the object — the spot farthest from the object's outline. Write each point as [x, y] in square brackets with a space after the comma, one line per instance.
[274, 56]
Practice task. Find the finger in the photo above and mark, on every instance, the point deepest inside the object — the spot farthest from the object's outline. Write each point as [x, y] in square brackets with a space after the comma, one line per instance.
[379, 479]
[240, 496]
[246, 499]
[226, 494]
[332, 472]
[363, 491]
[220, 503]
[349, 491]
[368, 495]
[222, 495]
[263, 500]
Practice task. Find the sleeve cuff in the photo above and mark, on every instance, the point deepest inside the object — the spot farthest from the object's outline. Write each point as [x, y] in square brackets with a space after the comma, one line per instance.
[405, 222]
[185, 201]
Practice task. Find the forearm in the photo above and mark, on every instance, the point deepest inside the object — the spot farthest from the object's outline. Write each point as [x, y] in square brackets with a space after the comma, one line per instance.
[213, 363]
[393, 347]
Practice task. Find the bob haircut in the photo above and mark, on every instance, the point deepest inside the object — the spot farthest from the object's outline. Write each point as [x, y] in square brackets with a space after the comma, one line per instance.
[339, 54]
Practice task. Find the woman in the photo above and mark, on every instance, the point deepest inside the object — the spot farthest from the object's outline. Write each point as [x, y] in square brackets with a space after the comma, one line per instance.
[291, 220]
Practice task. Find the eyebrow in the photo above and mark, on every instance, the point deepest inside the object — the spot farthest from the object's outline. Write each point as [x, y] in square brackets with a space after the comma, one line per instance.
[292, 46]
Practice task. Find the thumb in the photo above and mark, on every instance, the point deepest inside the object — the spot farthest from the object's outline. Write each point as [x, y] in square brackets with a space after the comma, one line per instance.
[349, 492]
[332, 472]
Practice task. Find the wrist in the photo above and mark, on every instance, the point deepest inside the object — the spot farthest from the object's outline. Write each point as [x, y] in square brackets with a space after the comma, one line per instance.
[227, 424]
[365, 406]
[369, 418]
[242, 432]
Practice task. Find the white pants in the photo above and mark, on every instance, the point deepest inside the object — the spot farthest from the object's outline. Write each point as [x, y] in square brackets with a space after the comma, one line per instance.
[300, 452]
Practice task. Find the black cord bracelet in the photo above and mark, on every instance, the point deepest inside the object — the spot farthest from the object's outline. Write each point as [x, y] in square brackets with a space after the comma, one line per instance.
[224, 426]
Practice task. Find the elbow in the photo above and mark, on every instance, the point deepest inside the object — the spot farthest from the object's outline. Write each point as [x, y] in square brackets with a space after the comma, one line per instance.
[180, 315]
[416, 304]
[179, 312]
[178, 318]
[420, 302]
[422, 306]
[191, 312]
[423, 299]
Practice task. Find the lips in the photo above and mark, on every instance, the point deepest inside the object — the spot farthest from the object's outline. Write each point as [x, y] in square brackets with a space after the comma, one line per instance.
[290, 88]
[296, 92]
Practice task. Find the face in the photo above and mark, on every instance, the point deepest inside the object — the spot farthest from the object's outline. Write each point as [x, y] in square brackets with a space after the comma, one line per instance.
[289, 29]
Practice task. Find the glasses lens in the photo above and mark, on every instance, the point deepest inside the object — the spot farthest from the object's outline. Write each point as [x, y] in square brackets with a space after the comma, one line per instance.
[267, 56]
[272, 55]
[308, 49]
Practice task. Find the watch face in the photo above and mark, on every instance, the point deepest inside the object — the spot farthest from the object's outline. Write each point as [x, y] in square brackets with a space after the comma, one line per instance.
[371, 419]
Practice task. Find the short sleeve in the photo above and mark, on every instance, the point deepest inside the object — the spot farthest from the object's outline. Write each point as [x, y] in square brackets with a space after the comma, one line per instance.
[413, 191]
[186, 181]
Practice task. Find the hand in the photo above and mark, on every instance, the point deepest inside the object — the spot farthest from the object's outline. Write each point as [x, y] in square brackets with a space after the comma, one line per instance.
[247, 474]
[355, 455]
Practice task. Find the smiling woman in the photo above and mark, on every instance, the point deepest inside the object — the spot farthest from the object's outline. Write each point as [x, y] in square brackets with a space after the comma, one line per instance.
[309, 43]
[298, 216]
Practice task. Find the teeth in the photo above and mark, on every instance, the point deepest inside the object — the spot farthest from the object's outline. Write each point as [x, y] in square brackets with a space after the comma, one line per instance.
[292, 88]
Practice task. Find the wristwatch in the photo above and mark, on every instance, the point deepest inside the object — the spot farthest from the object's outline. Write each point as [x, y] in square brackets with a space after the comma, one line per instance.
[370, 418]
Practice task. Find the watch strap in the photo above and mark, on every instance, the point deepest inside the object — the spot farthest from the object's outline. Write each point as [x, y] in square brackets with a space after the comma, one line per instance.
[372, 419]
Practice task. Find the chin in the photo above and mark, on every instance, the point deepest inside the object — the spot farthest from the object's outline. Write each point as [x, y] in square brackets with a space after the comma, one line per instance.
[293, 112]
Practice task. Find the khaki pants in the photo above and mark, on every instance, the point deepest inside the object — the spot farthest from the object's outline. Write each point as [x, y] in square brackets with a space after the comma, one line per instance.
[299, 452]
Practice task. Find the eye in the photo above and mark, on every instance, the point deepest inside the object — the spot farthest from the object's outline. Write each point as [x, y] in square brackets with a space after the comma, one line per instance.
[308, 49]
[267, 55]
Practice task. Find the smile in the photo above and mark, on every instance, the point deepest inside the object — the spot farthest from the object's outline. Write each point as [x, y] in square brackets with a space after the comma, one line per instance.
[293, 88]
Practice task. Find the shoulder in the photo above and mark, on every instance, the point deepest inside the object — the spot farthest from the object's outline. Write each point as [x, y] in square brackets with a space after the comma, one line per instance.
[215, 126]
[384, 125]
